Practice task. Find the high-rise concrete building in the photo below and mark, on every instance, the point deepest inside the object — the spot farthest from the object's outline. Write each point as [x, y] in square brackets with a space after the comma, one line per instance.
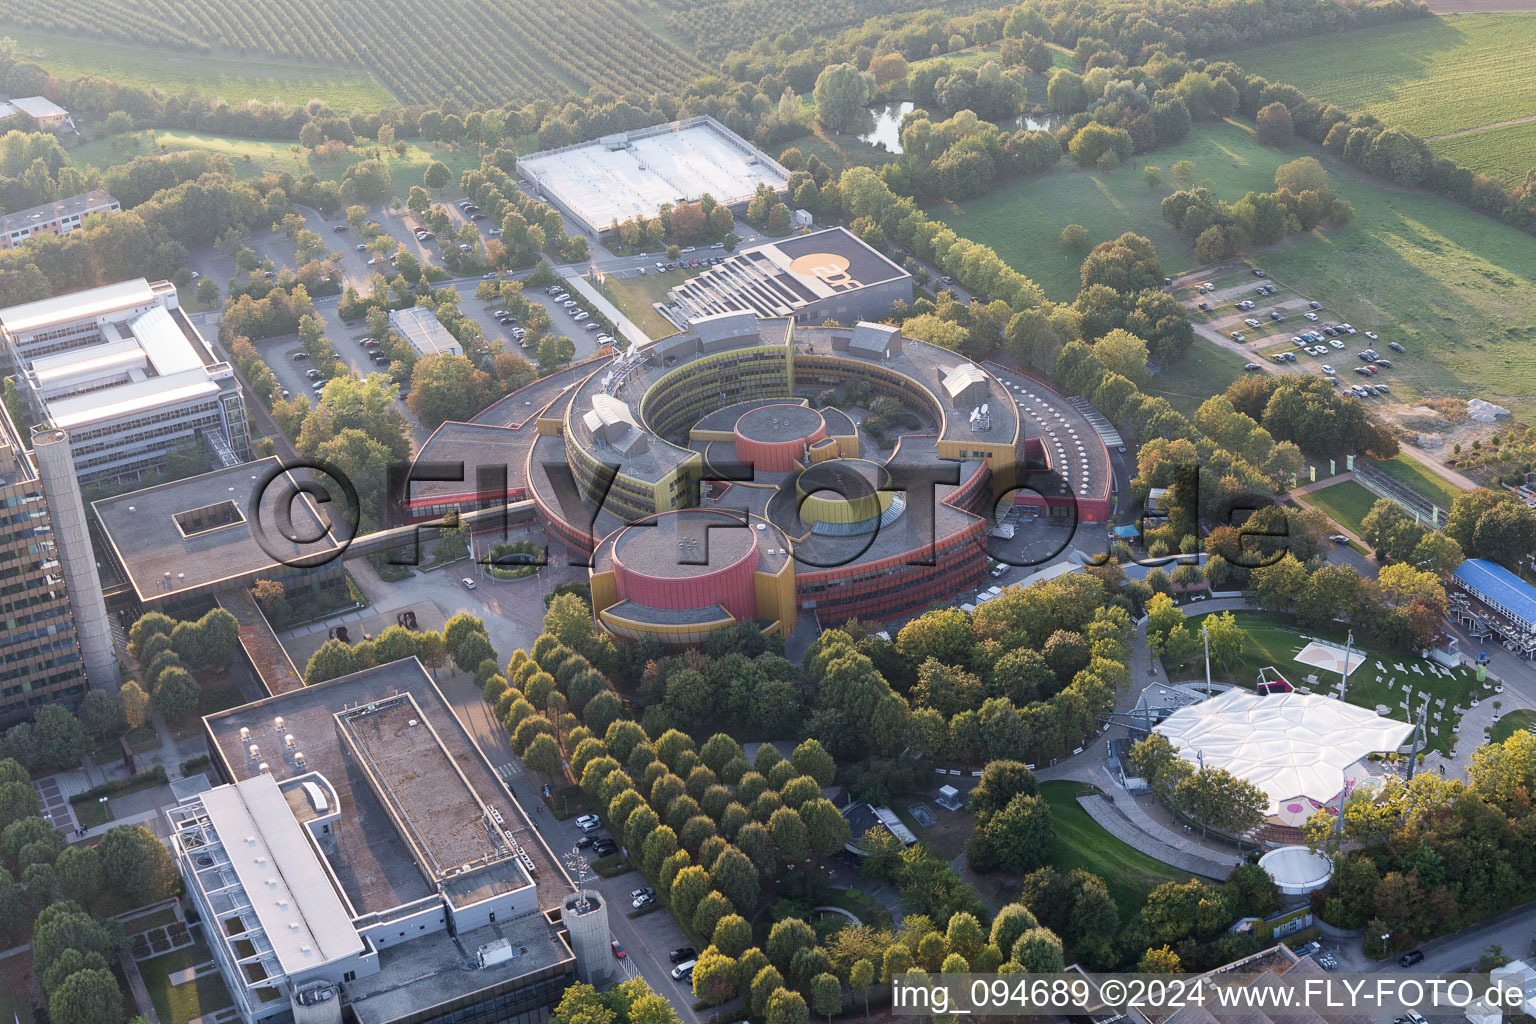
[48, 583]
[127, 375]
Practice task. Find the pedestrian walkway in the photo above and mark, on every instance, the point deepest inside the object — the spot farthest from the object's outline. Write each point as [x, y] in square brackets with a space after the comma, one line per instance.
[53, 793]
[1128, 823]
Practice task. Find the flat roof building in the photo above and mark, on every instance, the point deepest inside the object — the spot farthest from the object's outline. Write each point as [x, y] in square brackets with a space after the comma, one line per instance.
[56, 218]
[124, 371]
[1499, 589]
[830, 274]
[363, 850]
[619, 177]
[420, 326]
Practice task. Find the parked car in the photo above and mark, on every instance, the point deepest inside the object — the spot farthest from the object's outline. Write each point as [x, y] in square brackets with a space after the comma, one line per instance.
[1276, 315]
[1209, 287]
[1238, 336]
[643, 902]
[1314, 305]
[1410, 958]
[1251, 322]
[1383, 362]
[1336, 343]
[1253, 366]
[1339, 538]
[683, 970]
[579, 317]
[618, 949]
[1205, 307]
[642, 891]
[1395, 347]
[584, 842]
[1258, 273]
[682, 953]
[1382, 388]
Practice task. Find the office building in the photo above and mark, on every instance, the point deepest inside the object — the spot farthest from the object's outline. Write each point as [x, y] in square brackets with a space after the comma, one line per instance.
[124, 372]
[54, 634]
[363, 862]
[57, 218]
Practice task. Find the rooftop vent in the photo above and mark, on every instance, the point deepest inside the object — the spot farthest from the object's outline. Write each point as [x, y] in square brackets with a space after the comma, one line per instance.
[250, 840]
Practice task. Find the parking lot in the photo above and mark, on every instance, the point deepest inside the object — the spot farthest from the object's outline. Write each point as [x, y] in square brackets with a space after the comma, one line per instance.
[1283, 330]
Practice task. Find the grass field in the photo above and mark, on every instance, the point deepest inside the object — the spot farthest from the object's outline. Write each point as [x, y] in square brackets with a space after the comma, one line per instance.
[634, 295]
[1082, 842]
[1432, 76]
[178, 1004]
[1204, 371]
[231, 78]
[1346, 503]
[1411, 473]
[1451, 285]
[1275, 640]
[254, 157]
[1512, 723]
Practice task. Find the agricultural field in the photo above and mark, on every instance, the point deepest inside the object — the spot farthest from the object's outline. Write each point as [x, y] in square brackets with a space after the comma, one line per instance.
[236, 79]
[1434, 76]
[499, 52]
[716, 26]
[1450, 284]
[254, 157]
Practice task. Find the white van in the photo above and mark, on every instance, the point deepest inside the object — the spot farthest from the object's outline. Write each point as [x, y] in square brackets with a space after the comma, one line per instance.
[683, 970]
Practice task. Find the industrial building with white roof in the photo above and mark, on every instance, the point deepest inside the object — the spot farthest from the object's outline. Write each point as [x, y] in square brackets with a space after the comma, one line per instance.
[127, 375]
[619, 177]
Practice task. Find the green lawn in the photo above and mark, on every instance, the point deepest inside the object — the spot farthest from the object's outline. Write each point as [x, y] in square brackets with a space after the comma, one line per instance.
[178, 1004]
[1082, 842]
[92, 813]
[1432, 76]
[235, 79]
[1275, 641]
[1346, 503]
[634, 296]
[1512, 723]
[254, 157]
[1451, 285]
[1204, 371]
[837, 151]
[1411, 473]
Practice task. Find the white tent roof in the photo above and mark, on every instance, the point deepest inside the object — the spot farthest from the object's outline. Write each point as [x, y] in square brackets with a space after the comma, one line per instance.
[1287, 744]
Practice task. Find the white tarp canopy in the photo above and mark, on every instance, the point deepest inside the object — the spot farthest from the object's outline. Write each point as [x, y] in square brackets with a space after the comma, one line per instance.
[1290, 745]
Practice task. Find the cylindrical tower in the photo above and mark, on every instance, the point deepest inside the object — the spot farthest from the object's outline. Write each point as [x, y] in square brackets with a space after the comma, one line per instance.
[773, 438]
[72, 540]
[586, 919]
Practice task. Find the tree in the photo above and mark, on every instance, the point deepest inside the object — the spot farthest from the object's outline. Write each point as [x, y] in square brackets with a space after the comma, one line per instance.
[18, 800]
[543, 755]
[79, 873]
[841, 93]
[447, 387]
[554, 352]
[860, 977]
[1075, 238]
[827, 995]
[134, 864]
[64, 926]
[86, 997]
[735, 877]
[1015, 839]
[472, 650]
[1161, 960]
[810, 758]
[825, 828]
[1039, 951]
[714, 977]
[1275, 127]
[145, 626]
[786, 1007]
[1304, 174]
[437, 175]
[135, 703]
[61, 739]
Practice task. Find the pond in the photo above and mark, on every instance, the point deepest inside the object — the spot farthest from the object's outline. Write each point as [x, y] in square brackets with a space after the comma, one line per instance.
[886, 133]
[1038, 122]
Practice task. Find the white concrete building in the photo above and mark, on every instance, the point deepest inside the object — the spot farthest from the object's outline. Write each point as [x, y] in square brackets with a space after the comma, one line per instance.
[125, 373]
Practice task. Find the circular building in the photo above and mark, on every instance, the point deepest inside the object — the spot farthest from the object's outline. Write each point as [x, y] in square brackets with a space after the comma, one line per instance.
[845, 496]
[679, 576]
[1297, 870]
[775, 438]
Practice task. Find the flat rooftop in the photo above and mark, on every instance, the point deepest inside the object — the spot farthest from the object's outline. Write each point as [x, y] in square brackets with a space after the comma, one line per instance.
[782, 422]
[81, 305]
[429, 972]
[424, 331]
[373, 862]
[299, 910]
[631, 174]
[48, 213]
[440, 815]
[161, 560]
[694, 542]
